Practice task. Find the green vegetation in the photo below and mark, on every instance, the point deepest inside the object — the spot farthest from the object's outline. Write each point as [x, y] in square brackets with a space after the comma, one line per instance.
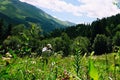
[23, 13]
[80, 52]
[100, 44]
[117, 39]
[59, 68]
[71, 60]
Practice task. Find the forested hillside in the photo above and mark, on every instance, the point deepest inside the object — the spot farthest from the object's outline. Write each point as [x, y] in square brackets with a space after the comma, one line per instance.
[101, 36]
[17, 12]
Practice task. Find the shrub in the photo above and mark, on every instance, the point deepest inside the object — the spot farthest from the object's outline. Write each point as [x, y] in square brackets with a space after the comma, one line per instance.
[116, 39]
[65, 44]
[81, 43]
[100, 44]
[62, 44]
[12, 42]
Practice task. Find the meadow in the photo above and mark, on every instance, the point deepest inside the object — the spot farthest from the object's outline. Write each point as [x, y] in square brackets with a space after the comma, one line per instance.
[26, 31]
[56, 67]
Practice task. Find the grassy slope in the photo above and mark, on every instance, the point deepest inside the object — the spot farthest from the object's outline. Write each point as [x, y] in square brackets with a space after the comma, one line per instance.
[35, 68]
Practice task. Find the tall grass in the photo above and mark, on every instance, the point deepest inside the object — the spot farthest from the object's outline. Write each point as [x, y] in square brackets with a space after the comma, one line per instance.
[62, 68]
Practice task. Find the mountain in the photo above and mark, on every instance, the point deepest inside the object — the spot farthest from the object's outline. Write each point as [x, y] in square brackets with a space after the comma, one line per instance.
[23, 13]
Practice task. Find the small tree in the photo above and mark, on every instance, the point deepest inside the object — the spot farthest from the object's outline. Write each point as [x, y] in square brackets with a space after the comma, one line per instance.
[100, 44]
[57, 44]
[66, 44]
[12, 42]
[116, 39]
[81, 43]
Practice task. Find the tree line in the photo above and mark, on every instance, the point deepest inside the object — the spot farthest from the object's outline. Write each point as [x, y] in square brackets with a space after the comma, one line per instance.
[101, 36]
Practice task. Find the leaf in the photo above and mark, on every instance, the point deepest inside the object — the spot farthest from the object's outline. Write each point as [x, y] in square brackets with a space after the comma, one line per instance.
[93, 71]
[13, 54]
[25, 36]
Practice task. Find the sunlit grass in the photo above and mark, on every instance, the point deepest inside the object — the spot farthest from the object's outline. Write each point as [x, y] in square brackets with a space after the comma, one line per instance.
[57, 67]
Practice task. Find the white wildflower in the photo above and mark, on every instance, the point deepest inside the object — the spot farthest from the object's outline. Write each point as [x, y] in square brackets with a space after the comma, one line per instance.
[53, 63]
[6, 59]
[8, 55]
[33, 62]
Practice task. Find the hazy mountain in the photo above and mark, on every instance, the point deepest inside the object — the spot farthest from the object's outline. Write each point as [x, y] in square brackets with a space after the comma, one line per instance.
[20, 12]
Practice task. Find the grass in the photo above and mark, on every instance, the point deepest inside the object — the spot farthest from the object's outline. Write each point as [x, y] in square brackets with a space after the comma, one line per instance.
[59, 68]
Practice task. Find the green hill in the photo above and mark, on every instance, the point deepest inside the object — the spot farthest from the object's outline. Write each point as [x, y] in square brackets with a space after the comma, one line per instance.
[21, 12]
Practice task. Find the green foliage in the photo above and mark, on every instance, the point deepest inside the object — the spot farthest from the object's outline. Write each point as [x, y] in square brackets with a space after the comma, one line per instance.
[57, 44]
[116, 39]
[81, 43]
[77, 62]
[4, 2]
[93, 71]
[100, 44]
[59, 68]
[12, 42]
[27, 22]
[5, 30]
[56, 33]
[1, 30]
[62, 44]
[65, 44]
[23, 13]
[79, 30]
[35, 31]
[117, 28]
[27, 39]
[18, 29]
[99, 27]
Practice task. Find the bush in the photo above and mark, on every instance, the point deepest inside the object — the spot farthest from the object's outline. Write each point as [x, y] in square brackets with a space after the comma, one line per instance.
[100, 44]
[116, 39]
[62, 44]
[81, 43]
[12, 42]
[65, 44]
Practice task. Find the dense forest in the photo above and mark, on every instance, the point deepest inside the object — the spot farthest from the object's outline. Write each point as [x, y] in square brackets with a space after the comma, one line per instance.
[101, 36]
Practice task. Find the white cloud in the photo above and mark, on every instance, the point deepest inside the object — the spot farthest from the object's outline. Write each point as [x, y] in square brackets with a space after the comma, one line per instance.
[99, 8]
[91, 8]
[55, 5]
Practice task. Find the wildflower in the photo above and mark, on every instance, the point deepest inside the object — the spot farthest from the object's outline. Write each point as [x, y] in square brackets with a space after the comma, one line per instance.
[72, 56]
[39, 70]
[110, 78]
[33, 62]
[7, 60]
[28, 71]
[8, 55]
[25, 61]
[55, 54]
[53, 63]
[40, 57]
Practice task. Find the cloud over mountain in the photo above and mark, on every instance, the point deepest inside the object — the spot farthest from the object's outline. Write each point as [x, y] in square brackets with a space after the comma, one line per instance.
[90, 8]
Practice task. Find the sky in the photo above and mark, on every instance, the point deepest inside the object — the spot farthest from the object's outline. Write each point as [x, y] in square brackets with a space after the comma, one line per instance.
[77, 11]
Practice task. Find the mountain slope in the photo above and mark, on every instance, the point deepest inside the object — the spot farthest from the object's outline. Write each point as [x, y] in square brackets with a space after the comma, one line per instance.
[24, 13]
